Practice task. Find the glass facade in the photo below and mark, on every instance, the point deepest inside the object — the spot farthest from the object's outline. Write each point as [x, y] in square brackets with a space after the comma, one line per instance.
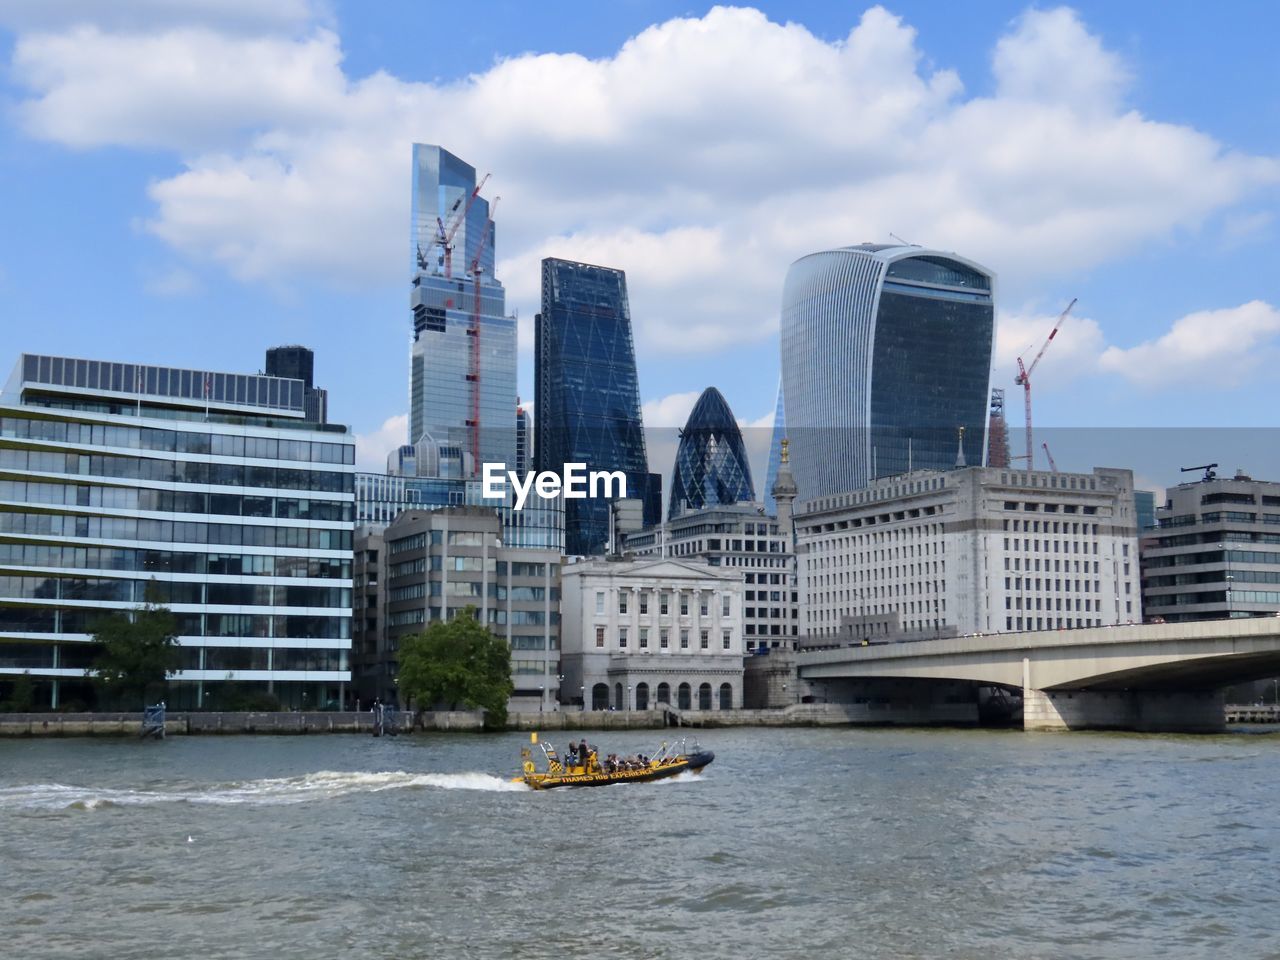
[588, 396]
[381, 498]
[775, 453]
[886, 359]
[711, 465]
[238, 519]
[457, 363]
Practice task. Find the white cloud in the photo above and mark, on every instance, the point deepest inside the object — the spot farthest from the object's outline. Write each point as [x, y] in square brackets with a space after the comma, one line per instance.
[1074, 352]
[1217, 348]
[372, 448]
[669, 411]
[702, 157]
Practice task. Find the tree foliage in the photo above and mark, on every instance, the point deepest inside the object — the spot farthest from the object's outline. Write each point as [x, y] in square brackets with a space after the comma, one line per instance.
[22, 695]
[458, 663]
[138, 655]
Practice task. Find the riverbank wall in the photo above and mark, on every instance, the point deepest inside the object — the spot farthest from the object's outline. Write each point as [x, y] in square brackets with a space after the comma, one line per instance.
[214, 723]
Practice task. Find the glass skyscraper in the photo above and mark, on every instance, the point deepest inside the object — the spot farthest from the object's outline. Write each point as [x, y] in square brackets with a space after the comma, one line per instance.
[462, 387]
[587, 400]
[886, 364]
[711, 467]
[209, 492]
[777, 435]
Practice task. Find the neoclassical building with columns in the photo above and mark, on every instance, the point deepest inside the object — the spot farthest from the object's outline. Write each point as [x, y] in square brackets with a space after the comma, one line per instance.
[637, 633]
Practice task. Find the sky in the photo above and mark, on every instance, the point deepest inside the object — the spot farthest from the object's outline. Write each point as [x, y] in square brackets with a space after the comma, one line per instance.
[192, 181]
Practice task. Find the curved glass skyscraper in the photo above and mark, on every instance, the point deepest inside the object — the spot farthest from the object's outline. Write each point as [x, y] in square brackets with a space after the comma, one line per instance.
[711, 463]
[886, 364]
[587, 394]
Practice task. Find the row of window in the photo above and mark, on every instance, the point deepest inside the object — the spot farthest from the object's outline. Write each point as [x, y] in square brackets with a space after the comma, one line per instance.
[1032, 506]
[664, 638]
[176, 471]
[1047, 603]
[173, 531]
[61, 620]
[169, 501]
[436, 538]
[1214, 576]
[498, 591]
[139, 591]
[176, 441]
[166, 561]
[644, 599]
[1035, 545]
[48, 656]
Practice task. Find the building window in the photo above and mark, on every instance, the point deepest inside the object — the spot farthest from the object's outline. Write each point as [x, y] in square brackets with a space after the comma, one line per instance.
[622, 602]
[599, 636]
[644, 638]
[664, 638]
[644, 603]
[684, 604]
[622, 637]
[705, 638]
[725, 603]
[702, 605]
[727, 638]
[599, 601]
[684, 639]
[664, 604]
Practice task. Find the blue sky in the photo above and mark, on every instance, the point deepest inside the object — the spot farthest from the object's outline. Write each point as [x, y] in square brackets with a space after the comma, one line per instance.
[191, 182]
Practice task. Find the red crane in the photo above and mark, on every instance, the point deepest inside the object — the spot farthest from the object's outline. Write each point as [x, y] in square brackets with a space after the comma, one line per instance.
[1052, 466]
[1023, 379]
[445, 235]
[474, 333]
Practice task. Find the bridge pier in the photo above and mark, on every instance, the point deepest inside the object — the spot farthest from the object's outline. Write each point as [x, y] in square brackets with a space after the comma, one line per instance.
[1148, 711]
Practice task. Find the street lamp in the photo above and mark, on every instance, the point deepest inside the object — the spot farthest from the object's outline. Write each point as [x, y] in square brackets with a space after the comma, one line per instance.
[582, 697]
[542, 698]
[628, 696]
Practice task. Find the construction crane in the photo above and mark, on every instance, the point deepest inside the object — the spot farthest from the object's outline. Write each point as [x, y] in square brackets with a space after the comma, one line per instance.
[1023, 379]
[1208, 469]
[474, 333]
[445, 234]
[1052, 466]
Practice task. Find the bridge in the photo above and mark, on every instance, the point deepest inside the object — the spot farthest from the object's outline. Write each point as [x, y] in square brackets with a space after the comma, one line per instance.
[1155, 677]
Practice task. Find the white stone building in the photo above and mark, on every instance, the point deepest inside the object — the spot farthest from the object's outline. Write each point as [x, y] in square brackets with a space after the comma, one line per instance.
[636, 633]
[976, 550]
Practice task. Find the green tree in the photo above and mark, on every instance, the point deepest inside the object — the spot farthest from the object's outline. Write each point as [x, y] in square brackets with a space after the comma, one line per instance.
[458, 663]
[22, 697]
[138, 655]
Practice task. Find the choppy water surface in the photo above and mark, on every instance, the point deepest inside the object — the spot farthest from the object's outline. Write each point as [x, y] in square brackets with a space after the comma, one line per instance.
[795, 843]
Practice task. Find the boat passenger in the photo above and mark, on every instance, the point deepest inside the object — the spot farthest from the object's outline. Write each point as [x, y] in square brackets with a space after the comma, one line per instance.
[571, 755]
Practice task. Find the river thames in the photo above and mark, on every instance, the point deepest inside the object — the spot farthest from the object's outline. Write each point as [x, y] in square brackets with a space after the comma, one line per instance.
[794, 843]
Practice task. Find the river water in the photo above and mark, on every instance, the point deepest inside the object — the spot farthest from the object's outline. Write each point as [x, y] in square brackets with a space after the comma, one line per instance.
[794, 843]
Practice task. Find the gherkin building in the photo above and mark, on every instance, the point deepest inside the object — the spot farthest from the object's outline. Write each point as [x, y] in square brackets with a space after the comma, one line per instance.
[711, 463]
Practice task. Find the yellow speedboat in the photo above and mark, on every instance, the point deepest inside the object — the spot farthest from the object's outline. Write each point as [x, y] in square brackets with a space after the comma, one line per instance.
[590, 771]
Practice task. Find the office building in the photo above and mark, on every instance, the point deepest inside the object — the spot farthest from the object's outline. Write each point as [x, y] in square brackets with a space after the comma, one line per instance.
[380, 498]
[1215, 552]
[524, 440]
[588, 395]
[212, 492]
[299, 363]
[738, 537]
[886, 360]
[977, 550]
[429, 565]
[462, 381]
[639, 633]
[711, 466]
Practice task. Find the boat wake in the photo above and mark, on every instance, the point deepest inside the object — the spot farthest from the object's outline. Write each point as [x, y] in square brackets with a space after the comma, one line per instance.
[323, 785]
